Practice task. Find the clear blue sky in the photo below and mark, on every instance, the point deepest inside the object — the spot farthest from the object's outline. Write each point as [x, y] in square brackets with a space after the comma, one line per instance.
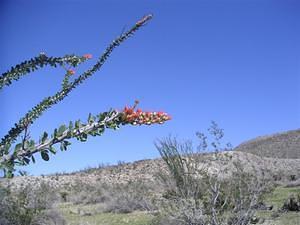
[235, 62]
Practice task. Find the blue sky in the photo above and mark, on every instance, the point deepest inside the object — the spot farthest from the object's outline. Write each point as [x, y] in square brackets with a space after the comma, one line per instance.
[235, 62]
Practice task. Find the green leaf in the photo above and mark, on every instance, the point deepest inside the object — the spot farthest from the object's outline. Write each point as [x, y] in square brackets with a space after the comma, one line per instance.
[83, 137]
[77, 124]
[61, 129]
[52, 150]
[63, 146]
[55, 133]
[26, 160]
[9, 174]
[67, 143]
[70, 125]
[112, 125]
[45, 136]
[91, 118]
[6, 148]
[70, 129]
[93, 133]
[100, 130]
[31, 144]
[26, 144]
[101, 116]
[18, 147]
[45, 155]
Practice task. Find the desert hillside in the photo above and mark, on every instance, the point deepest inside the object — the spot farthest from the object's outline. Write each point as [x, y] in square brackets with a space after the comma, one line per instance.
[278, 154]
[281, 145]
[132, 193]
[147, 170]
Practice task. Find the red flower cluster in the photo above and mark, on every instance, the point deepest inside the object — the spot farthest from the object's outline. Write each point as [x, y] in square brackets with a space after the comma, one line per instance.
[139, 117]
[71, 72]
[87, 56]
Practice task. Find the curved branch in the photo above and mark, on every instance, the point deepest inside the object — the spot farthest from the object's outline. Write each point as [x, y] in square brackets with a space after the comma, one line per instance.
[110, 118]
[48, 102]
[95, 126]
[38, 62]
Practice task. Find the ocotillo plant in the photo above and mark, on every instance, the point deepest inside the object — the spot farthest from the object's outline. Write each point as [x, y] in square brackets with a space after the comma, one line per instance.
[18, 154]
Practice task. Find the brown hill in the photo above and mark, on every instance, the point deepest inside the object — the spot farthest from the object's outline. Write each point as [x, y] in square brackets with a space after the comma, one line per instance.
[281, 145]
[147, 170]
[279, 154]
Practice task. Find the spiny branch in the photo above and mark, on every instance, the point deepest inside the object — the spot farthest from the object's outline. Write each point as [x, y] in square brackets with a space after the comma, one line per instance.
[48, 102]
[38, 62]
[95, 126]
[107, 120]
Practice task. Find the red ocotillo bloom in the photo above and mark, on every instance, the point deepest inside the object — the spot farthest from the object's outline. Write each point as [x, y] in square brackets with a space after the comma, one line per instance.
[139, 117]
[87, 56]
[71, 71]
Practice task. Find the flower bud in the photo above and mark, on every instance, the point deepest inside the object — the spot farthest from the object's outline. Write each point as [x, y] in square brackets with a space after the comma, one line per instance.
[70, 72]
[87, 56]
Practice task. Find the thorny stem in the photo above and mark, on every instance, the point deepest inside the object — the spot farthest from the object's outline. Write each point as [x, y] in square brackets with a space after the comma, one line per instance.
[27, 152]
[48, 102]
[26, 134]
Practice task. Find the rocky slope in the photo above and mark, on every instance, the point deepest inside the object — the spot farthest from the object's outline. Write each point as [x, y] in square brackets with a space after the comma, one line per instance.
[147, 171]
[277, 154]
[281, 145]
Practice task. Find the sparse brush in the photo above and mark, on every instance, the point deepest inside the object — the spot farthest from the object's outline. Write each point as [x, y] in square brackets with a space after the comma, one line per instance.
[84, 193]
[292, 203]
[129, 197]
[25, 205]
[115, 197]
[208, 189]
[49, 217]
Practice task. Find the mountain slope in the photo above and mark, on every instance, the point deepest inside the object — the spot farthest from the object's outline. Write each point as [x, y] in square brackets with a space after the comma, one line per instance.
[147, 170]
[278, 153]
[281, 145]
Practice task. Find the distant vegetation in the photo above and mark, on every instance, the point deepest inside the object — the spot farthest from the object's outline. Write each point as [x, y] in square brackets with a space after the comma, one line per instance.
[285, 145]
[184, 187]
[205, 190]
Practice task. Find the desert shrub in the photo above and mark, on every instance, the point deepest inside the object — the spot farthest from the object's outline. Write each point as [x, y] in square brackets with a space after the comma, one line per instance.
[293, 177]
[49, 217]
[63, 196]
[84, 193]
[24, 205]
[129, 197]
[15, 209]
[115, 197]
[208, 189]
[84, 197]
[41, 197]
[292, 203]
